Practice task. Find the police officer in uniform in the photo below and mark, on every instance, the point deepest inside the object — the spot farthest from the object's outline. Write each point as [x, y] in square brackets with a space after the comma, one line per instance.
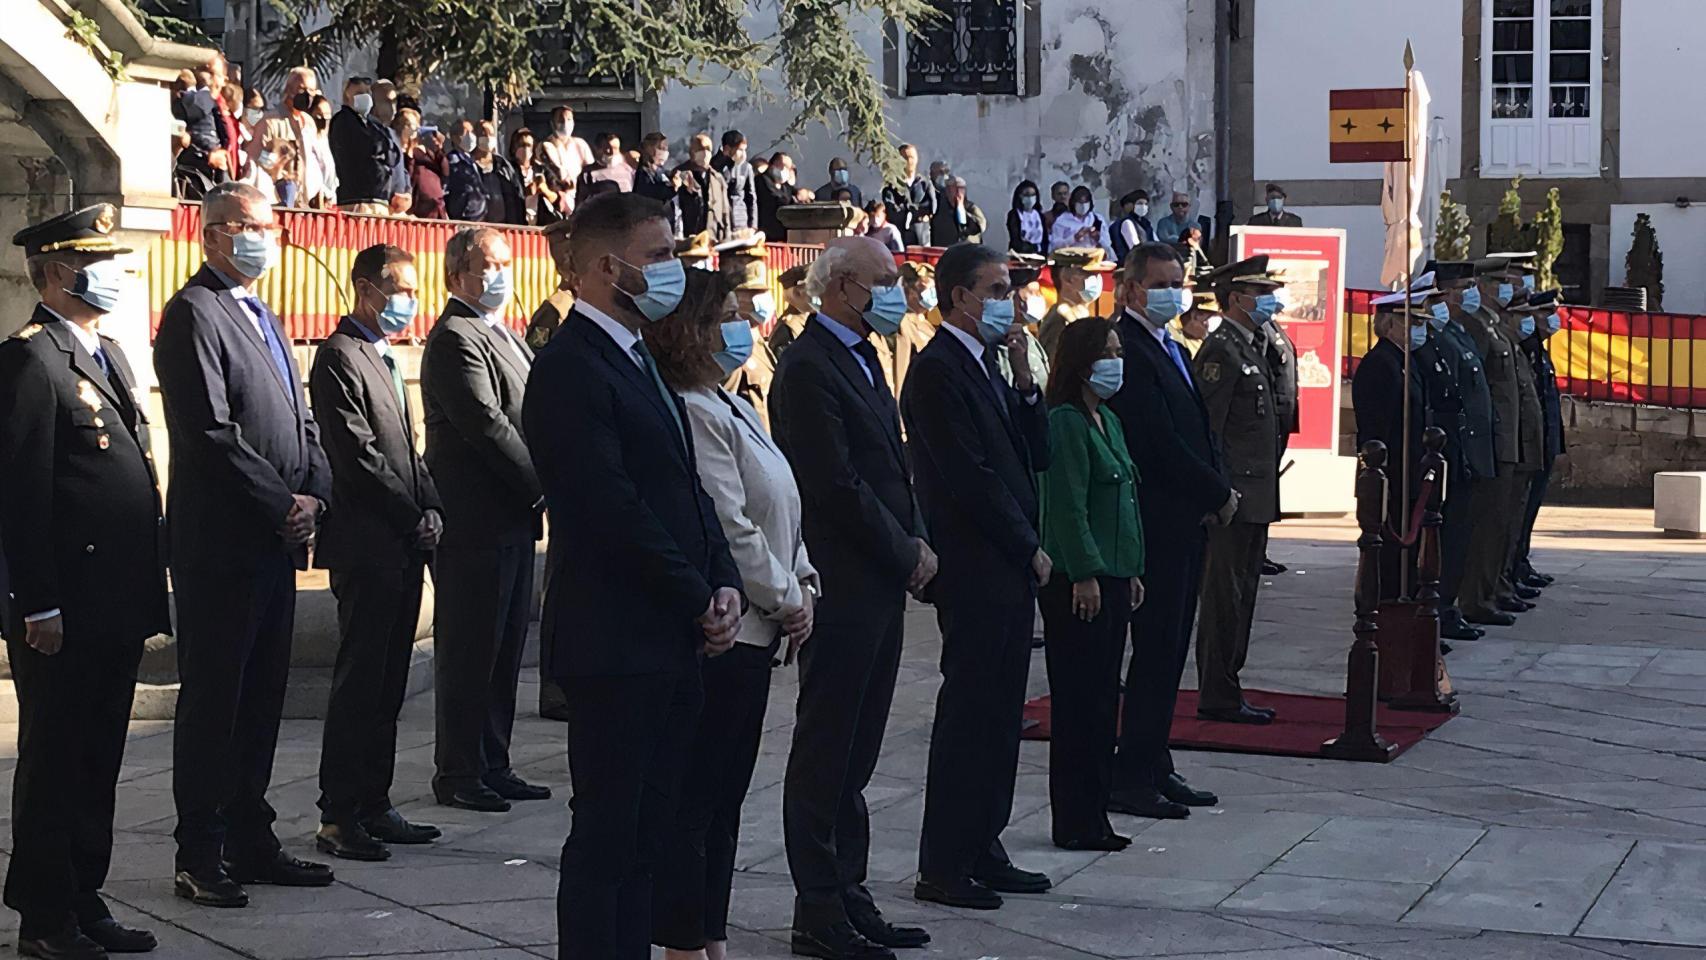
[1380, 394]
[1542, 310]
[80, 511]
[1493, 501]
[1462, 406]
[1237, 386]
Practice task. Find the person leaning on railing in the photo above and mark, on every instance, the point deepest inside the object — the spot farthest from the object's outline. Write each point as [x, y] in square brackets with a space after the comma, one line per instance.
[1092, 530]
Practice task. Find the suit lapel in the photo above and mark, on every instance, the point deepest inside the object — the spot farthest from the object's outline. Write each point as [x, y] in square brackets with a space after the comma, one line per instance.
[381, 373]
[504, 344]
[841, 357]
[981, 382]
[81, 360]
[628, 368]
[247, 329]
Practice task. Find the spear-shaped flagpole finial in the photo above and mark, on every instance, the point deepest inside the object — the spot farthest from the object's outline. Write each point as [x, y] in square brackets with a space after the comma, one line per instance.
[1409, 57]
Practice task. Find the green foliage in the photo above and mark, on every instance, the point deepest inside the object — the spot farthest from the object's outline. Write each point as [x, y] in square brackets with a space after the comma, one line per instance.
[495, 45]
[1645, 264]
[1452, 235]
[166, 26]
[1506, 234]
[1548, 235]
[88, 33]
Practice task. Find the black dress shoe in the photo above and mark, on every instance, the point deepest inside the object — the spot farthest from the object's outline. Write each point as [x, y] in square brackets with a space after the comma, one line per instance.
[1271, 568]
[962, 892]
[70, 945]
[838, 941]
[478, 797]
[511, 787]
[210, 888]
[1491, 618]
[283, 870]
[115, 937]
[874, 928]
[1149, 804]
[1007, 878]
[350, 843]
[1534, 582]
[1177, 790]
[1270, 711]
[1452, 626]
[1444, 648]
[1107, 842]
[1239, 714]
[1525, 592]
[390, 827]
[1513, 605]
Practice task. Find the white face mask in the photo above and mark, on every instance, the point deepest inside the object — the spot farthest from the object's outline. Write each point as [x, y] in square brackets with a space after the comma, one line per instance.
[362, 103]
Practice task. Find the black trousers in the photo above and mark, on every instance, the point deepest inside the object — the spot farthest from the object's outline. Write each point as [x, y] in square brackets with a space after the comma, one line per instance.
[628, 742]
[480, 615]
[1160, 642]
[1232, 573]
[378, 609]
[690, 894]
[1516, 523]
[1456, 522]
[1084, 704]
[73, 711]
[847, 677]
[234, 629]
[974, 742]
[1521, 563]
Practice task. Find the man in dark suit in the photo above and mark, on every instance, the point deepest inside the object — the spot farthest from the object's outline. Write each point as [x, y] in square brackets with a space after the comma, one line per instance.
[384, 520]
[1380, 396]
[911, 201]
[248, 486]
[834, 416]
[775, 191]
[649, 585]
[80, 510]
[978, 445]
[1182, 488]
[473, 378]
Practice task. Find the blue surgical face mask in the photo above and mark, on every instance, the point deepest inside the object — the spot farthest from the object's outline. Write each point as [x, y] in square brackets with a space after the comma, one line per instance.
[1418, 335]
[1554, 321]
[927, 297]
[1163, 304]
[1093, 286]
[763, 307]
[1506, 294]
[1276, 205]
[1027, 201]
[1525, 326]
[253, 254]
[996, 320]
[737, 346]
[100, 285]
[1441, 315]
[1266, 306]
[888, 306]
[838, 177]
[1107, 375]
[1528, 282]
[666, 283]
[1471, 300]
[398, 313]
[494, 289]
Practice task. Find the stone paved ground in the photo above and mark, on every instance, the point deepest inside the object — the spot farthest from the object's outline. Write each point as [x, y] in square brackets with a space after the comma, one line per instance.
[1563, 815]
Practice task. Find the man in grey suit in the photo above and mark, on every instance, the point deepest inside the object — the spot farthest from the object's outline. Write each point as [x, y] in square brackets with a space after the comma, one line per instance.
[248, 485]
[473, 377]
[384, 522]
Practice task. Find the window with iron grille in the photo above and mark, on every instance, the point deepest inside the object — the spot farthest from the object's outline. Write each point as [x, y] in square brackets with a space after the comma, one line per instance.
[972, 48]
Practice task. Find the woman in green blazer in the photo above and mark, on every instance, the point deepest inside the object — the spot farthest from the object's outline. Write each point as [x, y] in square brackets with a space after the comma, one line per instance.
[1091, 529]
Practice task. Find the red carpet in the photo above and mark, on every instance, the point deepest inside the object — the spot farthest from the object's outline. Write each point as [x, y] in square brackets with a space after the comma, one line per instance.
[1303, 724]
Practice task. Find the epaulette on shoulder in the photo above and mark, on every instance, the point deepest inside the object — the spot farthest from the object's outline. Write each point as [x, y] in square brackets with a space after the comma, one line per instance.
[29, 331]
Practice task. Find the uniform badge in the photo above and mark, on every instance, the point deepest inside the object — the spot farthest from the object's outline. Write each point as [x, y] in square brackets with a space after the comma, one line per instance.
[103, 441]
[87, 393]
[1211, 372]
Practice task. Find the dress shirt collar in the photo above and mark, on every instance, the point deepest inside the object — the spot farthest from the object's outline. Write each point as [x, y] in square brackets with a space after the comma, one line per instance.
[238, 290]
[623, 337]
[848, 338]
[380, 344]
[492, 319]
[1159, 333]
[971, 343]
[90, 341]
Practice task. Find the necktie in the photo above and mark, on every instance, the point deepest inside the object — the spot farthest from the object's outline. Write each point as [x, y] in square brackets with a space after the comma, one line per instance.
[650, 366]
[396, 379]
[275, 346]
[1172, 347]
[867, 351]
[514, 346]
[997, 382]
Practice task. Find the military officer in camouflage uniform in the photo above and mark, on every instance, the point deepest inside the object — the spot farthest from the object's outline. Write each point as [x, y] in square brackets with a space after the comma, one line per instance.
[1237, 386]
[1282, 364]
[744, 267]
[80, 511]
[1462, 406]
[555, 308]
[1541, 309]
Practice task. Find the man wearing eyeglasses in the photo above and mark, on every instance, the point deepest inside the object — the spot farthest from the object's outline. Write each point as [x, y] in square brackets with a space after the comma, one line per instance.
[249, 485]
[1171, 227]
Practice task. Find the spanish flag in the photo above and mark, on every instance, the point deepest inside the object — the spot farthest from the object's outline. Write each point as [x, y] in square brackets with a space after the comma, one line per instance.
[1367, 126]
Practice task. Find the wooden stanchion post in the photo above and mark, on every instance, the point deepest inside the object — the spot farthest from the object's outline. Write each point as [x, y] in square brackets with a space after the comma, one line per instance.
[1427, 687]
[1360, 739]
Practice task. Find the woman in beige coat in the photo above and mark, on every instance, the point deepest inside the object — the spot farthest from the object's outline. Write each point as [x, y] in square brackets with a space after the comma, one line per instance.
[752, 486]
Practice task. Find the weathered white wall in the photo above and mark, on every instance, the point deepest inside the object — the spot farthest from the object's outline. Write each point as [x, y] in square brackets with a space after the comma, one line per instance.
[1304, 48]
[1682, 235]
[1127, 98]
[1662, 98]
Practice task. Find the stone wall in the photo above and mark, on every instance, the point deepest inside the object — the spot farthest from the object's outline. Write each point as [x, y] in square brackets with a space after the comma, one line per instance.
[1615, 448]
